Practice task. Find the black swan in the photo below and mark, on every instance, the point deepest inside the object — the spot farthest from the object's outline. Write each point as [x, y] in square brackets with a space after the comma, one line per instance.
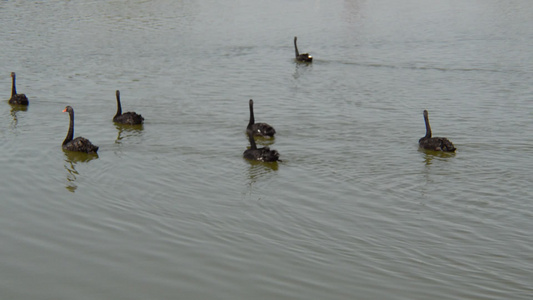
[434, 143]
[261, 154]
[19, 99]
[78, 144]
[259, 129]
[130, 118]
[301, 57]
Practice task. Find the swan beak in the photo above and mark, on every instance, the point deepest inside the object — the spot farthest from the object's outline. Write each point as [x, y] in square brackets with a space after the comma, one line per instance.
[64, 110]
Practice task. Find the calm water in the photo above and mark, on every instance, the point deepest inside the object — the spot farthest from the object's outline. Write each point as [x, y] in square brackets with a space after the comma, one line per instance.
[354, 211]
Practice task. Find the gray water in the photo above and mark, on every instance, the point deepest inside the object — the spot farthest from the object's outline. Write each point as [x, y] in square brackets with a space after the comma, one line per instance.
[171, 210]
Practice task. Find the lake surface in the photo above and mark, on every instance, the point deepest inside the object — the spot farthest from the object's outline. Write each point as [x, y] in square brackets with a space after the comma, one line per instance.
[355, 210]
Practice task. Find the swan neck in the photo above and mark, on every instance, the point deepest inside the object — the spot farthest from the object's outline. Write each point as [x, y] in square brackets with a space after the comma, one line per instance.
[70, 133]
[119, 107]
[252, 119]
[296, 48]
[253, 146]
[13, 87]
[428, 127]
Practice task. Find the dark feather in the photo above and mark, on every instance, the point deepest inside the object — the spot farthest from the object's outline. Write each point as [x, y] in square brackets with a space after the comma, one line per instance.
[437, 144]
[261, 154]
[130, 118]
[305, 57]
[261, 129]
[19, 99]
[80, 144]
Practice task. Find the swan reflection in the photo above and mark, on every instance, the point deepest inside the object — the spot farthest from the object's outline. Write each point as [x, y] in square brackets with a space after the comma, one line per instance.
[258, 169]
[14, 110]
[124, 131]
[71, 160]
[430, 155]
[300, 69]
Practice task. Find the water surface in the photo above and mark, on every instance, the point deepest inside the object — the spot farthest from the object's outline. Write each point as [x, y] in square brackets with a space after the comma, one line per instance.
[170, 210]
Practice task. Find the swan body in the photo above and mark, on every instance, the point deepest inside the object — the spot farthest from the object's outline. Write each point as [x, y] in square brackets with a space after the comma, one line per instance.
[19, 99]
[305, 57]
[258, 129]
[79, 144]
[434, 143]
[261, 154]
[130, 118]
